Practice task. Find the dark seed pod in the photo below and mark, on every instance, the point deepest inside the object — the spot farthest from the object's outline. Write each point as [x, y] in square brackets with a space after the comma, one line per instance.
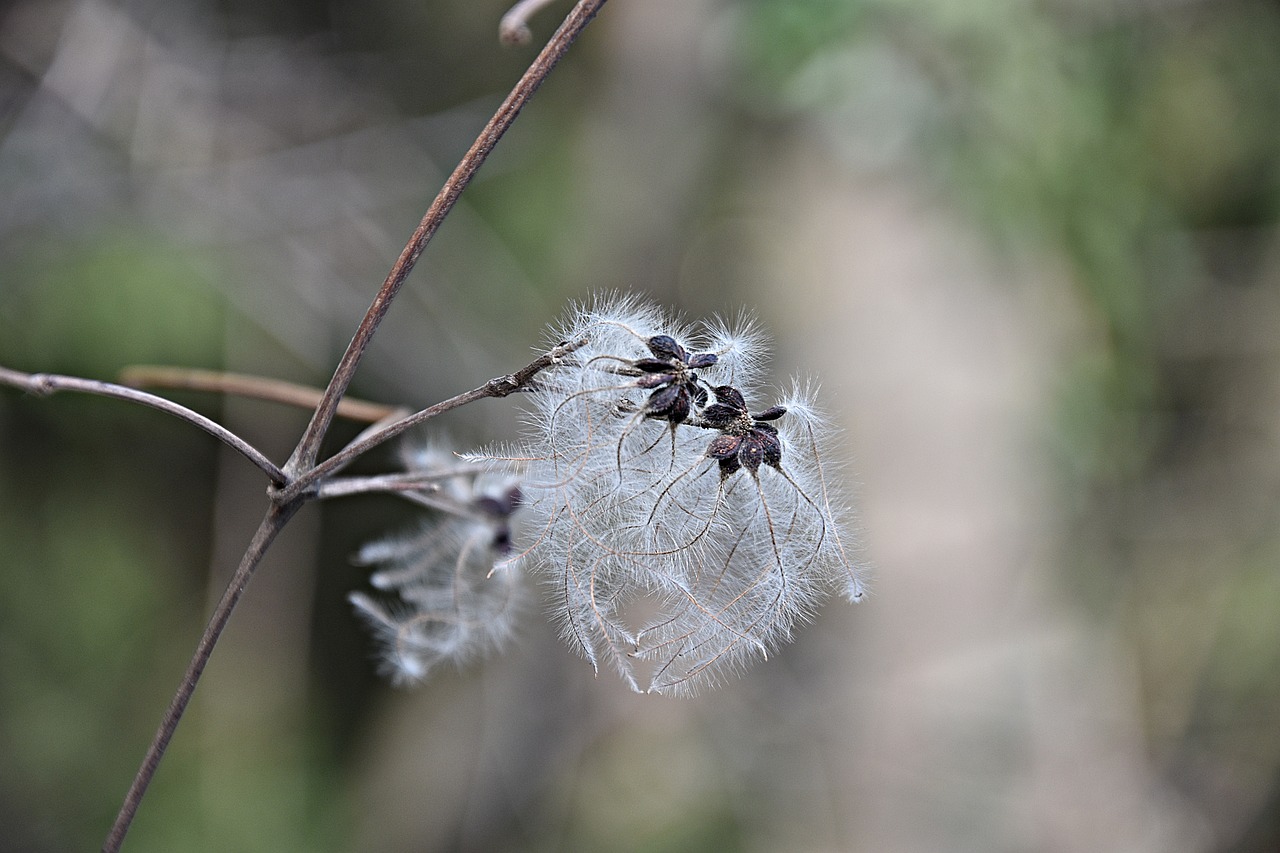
[669, 403]
[491, 507]
[772, 447]
[751, 454]
[502, 540]
[666, 347]
[661, 401]
[501, 507]
[653, 365]
[729, 466]
[723, 446]
[730, 396]
[720, 416]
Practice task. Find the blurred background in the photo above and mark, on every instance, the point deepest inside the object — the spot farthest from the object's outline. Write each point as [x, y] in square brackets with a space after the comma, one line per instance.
[1029, 249]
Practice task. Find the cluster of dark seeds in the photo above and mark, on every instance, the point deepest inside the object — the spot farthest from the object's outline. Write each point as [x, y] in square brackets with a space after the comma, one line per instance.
[745, 440]
[498, 512]
[679, 396]
[671, 374]
[675, 568]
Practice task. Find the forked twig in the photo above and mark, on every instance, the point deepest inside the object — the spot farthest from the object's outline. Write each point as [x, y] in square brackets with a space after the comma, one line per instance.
[253, 387]
[500, 386]
[44, 384]
[300, 473]
[304, 456]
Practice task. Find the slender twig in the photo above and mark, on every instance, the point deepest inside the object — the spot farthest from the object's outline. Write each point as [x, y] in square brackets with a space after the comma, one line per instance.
[403, 481]
[275, 520]
[341, 487]
[301, 463]
[514, 26]
[377, 426]
[44, 384]
[304, 456]
[253, 387]
[422, 494]
[500, 386]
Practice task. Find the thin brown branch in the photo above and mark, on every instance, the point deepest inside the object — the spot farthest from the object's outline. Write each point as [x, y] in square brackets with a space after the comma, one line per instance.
[287, 499]
[304, 456]
[275, 520]
[407, 481]
[253, 387]
[420, 493]
[45, 384]
[500, 386]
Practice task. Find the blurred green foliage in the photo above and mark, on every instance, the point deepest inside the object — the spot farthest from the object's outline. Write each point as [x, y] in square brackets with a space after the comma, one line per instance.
[1138, 145]
[115, 299]
[1106, 137]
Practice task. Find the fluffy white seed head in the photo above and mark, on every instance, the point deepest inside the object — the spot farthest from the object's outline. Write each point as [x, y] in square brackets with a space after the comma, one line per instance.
[448, 602]
[631, 514]
[684, 520]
